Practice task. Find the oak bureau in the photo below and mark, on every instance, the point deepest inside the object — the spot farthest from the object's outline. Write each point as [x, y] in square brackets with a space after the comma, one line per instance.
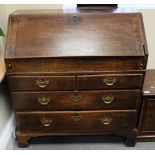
[76, 72]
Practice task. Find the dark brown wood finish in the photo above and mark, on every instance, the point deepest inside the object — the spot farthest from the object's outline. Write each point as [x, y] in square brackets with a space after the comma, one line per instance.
[75, 64]
[75, 100]
[85, 82]
[23, 138]
[74, 34]
[35, 83]
[90, 121]
[118, 81]
[146, 130]
[149, 116]
[74, 70]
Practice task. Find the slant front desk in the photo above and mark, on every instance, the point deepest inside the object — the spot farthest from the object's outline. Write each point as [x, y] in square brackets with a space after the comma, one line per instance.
[79, 72]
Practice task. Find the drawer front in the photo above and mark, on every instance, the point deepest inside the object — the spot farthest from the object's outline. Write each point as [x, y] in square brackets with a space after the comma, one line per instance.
[61, 122]
[70, 100]
[17, 83]
[110, 81]
[75, 64]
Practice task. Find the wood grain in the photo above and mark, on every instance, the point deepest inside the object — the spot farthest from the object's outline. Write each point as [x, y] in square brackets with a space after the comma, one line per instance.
[63, 100]
[89, 120]
[71, 53]
[17, 83]
[78, 64]
[97, 81]
[108, 35]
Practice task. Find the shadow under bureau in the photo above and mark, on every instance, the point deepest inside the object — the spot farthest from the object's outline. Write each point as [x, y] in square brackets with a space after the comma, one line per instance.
[79, 72]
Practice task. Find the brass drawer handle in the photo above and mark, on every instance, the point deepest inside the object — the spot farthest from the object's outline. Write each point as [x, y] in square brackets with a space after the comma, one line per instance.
[108, 99]
[46, 122]
[106, 120]
[76, 117]
[44, 100]
[76, 98]
[109, 81]
[42, 83]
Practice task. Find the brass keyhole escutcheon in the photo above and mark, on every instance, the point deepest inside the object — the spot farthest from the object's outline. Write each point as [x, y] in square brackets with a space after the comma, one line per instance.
[44, 100]
[46, 122]
[74, 20]
[106, 120]
[9, 66]
[76, 117]
[109, 81]
[76, 98]
[108, 99]
[141, 65]
[42, 84]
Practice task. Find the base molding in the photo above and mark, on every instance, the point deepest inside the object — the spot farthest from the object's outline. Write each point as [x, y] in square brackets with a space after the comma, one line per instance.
[146, 138]
[23, 138]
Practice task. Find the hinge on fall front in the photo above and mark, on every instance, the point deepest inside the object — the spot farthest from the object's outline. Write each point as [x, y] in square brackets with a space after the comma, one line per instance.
[145, 50]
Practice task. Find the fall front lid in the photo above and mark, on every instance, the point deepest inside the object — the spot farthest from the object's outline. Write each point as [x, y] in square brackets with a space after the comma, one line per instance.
[59, 34]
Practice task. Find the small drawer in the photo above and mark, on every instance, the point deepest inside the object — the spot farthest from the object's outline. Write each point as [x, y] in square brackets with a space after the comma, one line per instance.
[80, 100]
[77, 122]
[17, 83]
[109, 81]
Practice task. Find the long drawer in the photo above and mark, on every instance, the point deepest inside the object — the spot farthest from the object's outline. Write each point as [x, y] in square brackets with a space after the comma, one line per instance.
[17, 83]
[109, 81]
[79, 100]
[71, 121]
